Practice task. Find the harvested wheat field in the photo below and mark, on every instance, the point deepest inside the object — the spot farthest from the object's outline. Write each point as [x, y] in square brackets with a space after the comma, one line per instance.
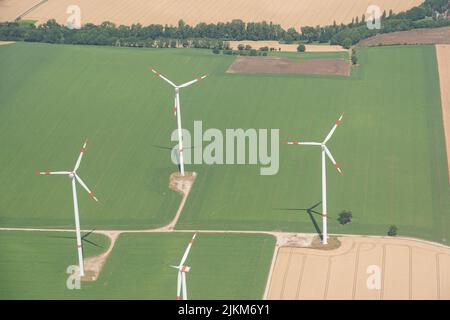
[443, 59]
[417, 36]
[326, 66]
[363, 268]
[288, 13]
[286, 47]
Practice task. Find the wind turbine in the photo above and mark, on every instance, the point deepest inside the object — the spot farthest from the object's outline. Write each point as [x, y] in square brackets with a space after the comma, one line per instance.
[177, 111]
[182, 269]
[325, 151]
[75, 178]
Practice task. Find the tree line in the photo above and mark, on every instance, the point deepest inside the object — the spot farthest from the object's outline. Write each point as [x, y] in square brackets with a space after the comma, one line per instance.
[430, 14]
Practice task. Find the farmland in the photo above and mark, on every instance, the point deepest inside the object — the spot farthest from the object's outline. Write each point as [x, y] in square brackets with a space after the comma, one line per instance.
[138, 268]
[289, 13]
[390, 146]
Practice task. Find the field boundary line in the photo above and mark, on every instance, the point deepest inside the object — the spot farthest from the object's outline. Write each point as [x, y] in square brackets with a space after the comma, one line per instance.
[30, 9]
[443, 62]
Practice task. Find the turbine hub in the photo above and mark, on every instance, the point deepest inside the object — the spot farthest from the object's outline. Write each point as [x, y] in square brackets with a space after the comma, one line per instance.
[72, 174]
[185, 268]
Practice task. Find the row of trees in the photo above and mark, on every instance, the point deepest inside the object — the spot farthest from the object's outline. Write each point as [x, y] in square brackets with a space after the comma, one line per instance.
[431, 13]
[108, 33]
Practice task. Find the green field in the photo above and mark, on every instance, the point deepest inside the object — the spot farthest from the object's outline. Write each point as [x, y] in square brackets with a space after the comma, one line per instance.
[223, 266]
[390, 145]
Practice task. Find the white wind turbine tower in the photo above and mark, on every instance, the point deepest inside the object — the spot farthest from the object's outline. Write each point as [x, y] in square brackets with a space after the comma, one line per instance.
[182, 269]
[177, 112]
[325, 151]
[75, 178]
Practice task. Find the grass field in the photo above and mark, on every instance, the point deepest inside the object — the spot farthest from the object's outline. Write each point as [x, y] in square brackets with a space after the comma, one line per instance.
[390, 144]
[138, 267]
[33, 265]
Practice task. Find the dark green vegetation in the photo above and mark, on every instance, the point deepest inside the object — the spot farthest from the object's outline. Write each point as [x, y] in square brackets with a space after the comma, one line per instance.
[390, 144]
[429, 14]
[345, 217]
[301, 48]
[223, 266]
[392, 232]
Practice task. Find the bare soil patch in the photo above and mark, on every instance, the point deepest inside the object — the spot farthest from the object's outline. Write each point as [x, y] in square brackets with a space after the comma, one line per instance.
[288, 13]
[285, 47]
[443, 59]
[326, 66]
[182, 184]
[333, 243]
[6, 42]
[417, 36]
[406, 269]
[93, 265]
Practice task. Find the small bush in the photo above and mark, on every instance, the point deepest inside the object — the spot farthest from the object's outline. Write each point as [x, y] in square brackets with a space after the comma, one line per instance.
[392, 232]
[354, 57]
[253, 53]
[216, 51]
[301, 48]
[345, 217]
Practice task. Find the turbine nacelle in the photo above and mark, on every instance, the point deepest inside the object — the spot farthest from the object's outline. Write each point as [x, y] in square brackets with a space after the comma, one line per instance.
[182, 268]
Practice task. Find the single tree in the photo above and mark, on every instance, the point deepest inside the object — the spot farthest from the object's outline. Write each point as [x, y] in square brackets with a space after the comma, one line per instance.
[345, 217]
[392, 232]
[354, 57]
[301, 48]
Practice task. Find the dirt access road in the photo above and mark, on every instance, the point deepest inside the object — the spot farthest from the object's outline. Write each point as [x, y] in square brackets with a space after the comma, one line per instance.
[443, 59]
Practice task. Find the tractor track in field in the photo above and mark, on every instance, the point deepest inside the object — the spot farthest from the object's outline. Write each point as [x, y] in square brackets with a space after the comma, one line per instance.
[94, 264]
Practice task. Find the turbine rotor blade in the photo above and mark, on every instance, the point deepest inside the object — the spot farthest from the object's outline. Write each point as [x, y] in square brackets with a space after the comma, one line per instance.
[179, 286]
[302, 143]
[183, 285]
[330, 134]
[54, 172]
[187, 84]
[164, 78]
[82, 150]
[336, 165]
[183, 260]
[81, 182]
